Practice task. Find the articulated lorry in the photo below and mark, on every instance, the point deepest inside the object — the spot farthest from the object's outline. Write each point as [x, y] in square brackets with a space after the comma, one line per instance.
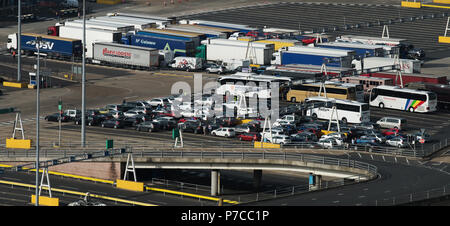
[92, 35]
[407, 50]
[125, 55]
[53, 47]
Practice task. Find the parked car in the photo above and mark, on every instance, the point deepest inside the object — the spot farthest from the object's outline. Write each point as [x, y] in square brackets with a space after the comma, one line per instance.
[304, 137]
[399, 142]
[55, 118]
[158, 101]
[246, 128]
[366, 139]
[341, 135]
[224, 132]
[392, 122]
[91, 120]
[378, 136]
[166, 123]
[327, 143]
[131, 113]
[280, 139]
[193, 126]
[249, 137]
[425, 136]
[214, 68]
[367, 125]
[390, 132]
[148, 126]
[113, 123]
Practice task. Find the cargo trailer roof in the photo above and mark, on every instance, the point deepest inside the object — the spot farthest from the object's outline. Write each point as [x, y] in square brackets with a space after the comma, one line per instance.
[120, 21]
[351, 45]
[124, 46]
[174, 32]
[51, 37]
[219, 29]
[106, 24]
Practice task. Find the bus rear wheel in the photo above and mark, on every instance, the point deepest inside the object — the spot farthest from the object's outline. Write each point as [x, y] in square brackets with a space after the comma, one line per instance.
[293, 99]
[381, 105]
[411, 109]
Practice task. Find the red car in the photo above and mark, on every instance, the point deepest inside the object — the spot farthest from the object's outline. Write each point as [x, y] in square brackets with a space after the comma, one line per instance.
[249, 137]
[391, 131]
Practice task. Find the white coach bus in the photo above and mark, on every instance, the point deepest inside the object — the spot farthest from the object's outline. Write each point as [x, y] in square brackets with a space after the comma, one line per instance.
[394, 97]
[348, 111]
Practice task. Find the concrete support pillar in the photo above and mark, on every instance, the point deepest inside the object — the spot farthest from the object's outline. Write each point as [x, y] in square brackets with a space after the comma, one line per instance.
[215, 182]
[257, 177]
[318, 181]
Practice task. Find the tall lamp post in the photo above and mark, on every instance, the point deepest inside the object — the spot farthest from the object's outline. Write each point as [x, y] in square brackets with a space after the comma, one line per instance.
[83, 81]
[19, 34]
[38, 82]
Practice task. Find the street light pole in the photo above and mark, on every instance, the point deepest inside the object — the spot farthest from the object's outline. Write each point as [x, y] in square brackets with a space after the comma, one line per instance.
[83, 81]
[38, 82]
[19, 33]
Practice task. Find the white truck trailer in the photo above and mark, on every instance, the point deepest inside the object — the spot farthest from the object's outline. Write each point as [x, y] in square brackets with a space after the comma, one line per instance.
[92, 36]
[137, 24]
[125, 55]
[224, 50]
[376, 64]
[98, 25]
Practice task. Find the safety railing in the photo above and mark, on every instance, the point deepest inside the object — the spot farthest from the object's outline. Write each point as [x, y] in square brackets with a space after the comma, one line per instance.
[416, 197]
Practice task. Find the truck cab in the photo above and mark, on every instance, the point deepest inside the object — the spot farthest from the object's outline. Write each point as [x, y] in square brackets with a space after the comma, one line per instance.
[12, 42]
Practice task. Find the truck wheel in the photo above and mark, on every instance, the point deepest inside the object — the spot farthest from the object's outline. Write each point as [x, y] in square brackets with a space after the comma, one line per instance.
[314, 116]
[381, 105]
[344, 120]
[293, 99]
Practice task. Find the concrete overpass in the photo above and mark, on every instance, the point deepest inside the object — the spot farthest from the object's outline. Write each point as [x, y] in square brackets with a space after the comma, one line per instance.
[114, 165]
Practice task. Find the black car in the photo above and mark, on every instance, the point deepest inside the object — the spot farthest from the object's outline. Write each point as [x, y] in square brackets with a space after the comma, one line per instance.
[148, 126]
[55, 118]
[191, 126]
[166, 123]
[113, 123]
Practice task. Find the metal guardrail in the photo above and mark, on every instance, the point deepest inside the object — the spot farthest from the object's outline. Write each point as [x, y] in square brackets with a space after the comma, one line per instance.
[414, 197]
[371, 169]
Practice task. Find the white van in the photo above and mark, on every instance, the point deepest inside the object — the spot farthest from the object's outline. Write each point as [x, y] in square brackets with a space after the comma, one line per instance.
[392, 122]
[187, 63]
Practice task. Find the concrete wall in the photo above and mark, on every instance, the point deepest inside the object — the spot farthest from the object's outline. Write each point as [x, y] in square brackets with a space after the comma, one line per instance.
[99, 170]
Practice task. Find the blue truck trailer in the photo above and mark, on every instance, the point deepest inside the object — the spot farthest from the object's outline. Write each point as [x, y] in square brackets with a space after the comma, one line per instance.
[172, 34]
[361, 50]
[332, 60]
[52, 46]
[179, 47]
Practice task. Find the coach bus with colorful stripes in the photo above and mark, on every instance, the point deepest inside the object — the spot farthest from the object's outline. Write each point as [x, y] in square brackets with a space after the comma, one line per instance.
[411, 100]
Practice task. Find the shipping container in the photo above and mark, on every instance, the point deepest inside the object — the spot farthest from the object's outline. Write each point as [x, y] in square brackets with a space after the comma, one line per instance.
[280, 43]
[52, 46]
[179, 47]
[375, 64]
[124, 55]
[224, 49]
[362, 50]
[92, 35]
